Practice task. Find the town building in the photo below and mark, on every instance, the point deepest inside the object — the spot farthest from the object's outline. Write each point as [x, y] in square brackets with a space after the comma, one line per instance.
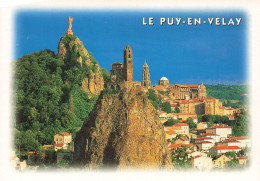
[223, 149]
[221, 162]
[223, 131]
[63, 138]
[163, 81]
[244, 141]
[184, 127]
[216, 137]
[202, 125]
[204, 145]
[201, 163]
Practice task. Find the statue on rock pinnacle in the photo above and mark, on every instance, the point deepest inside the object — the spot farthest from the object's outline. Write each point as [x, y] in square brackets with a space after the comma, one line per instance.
[69, 31]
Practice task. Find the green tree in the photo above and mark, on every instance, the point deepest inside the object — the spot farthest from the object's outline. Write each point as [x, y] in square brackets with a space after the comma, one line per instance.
[166, 106]
[177, 110]
[191, 124]
[170, 122]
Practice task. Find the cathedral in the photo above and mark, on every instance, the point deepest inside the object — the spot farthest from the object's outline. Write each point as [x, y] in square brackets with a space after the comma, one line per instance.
[121, 75]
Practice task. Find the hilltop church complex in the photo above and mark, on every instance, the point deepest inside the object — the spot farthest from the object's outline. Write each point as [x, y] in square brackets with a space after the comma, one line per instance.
[191, 99]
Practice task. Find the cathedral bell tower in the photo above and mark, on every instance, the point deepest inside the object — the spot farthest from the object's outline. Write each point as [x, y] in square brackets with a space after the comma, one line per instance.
[146, 82]
[128, 64]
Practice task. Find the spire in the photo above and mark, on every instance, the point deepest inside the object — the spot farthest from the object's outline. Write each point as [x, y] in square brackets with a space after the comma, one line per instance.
[145, 64]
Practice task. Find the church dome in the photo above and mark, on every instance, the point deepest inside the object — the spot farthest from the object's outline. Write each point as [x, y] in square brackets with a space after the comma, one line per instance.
[163, 78]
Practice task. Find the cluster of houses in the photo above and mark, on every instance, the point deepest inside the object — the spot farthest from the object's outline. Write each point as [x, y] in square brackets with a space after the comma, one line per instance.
[216, 140]
[62, 142]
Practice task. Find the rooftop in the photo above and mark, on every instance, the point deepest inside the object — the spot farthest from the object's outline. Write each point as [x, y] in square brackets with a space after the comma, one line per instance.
[227, 147]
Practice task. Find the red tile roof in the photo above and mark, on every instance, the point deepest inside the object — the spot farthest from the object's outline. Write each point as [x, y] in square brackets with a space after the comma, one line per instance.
[204, 138]
[227, 147]
[181, 124]
[191, 85]
[239, 138]
[185, 139]
[209, 134]
[175, 146]
[170, 132]
[65, 134]
[59, 144]
[214, 127]
[201, 142]
[161, 112]
[241, 158]
[198, 156]
[230, 141]
[190, 145]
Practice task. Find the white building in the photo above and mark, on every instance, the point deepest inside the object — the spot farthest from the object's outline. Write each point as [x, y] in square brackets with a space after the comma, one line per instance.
[201, 163]
[223, 149]
[223, 131]
[204, 145]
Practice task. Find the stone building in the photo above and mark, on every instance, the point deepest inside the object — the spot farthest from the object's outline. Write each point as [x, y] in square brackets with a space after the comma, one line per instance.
[146, 82]
[164, 81]
[121, 75]
[179, 91]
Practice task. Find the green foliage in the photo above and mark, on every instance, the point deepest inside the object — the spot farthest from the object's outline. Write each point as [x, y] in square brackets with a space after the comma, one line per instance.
[177, 110]
[191, 124]
[166, 106]
[214, 119]
[48, 96]
[180, 158]
[68, 38]
[227, 93]
[27, 141]
[92, 58]
[105, 74]
[170, 122]
[153, 98]
[240, 127]
[110, 91]
[63, 163]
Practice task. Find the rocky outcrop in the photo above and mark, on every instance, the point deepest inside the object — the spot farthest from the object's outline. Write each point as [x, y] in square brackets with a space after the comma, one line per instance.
[122, 131]
[93, 83]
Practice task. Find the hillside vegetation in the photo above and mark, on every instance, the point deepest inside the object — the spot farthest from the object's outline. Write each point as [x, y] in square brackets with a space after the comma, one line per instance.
[231, 95]
[49, 98]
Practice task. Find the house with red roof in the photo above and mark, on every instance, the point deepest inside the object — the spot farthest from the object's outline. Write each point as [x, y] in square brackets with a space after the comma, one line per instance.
[162, 114]
[63, 138]
[229, 142]
[182, 141]
[223, 131]
[204, 145]
[202, 125]
[205, 139]
[216, 137]
[184, 127]
[244, 141]
[223, 149]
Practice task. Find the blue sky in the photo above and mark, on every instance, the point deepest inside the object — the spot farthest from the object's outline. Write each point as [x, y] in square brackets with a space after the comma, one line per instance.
[184, 54]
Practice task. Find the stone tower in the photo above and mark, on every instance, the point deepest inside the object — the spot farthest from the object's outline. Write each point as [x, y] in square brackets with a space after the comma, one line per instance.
[146, 82]
[128, 64]
[202, 93]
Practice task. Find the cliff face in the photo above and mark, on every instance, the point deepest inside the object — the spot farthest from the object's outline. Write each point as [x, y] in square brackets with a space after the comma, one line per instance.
[123, 130]
[93, 83]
